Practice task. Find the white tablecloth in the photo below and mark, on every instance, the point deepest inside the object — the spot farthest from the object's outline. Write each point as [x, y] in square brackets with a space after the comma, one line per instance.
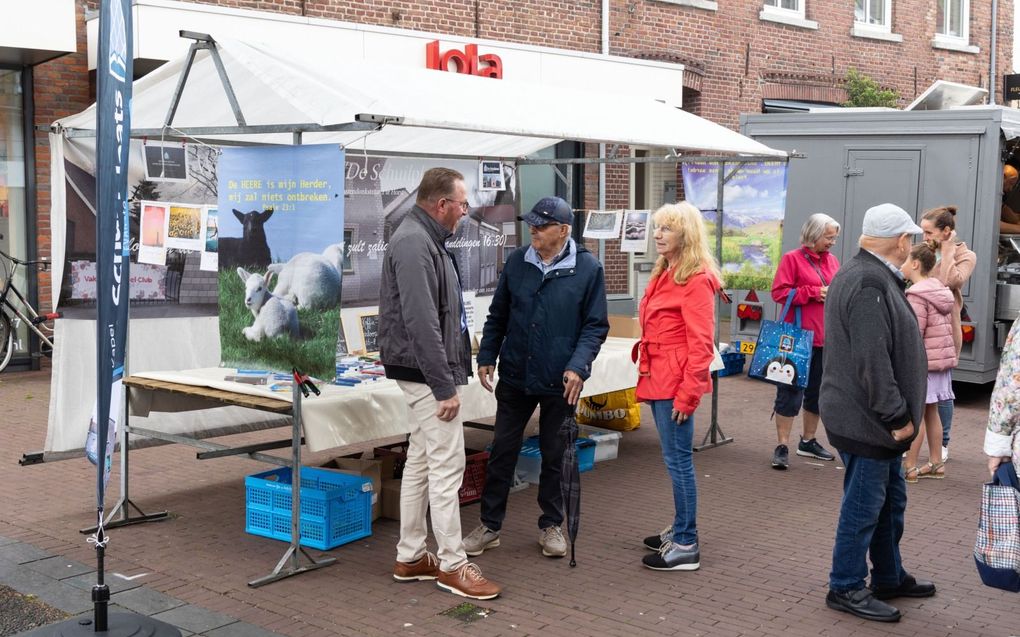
[348, 415]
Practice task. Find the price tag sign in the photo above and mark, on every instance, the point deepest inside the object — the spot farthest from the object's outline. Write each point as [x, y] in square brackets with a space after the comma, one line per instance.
[746, 348]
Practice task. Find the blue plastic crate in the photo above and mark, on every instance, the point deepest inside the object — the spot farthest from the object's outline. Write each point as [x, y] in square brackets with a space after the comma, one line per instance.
[734, 362]
[585, 452]
[336, 508]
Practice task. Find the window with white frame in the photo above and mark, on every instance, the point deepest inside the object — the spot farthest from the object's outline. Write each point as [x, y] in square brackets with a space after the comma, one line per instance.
[793, 7]
[952, 19]
[873, 14]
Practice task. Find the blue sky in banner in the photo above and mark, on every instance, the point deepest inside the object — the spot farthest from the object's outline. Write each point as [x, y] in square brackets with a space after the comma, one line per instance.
[303, 184]
[757, 191]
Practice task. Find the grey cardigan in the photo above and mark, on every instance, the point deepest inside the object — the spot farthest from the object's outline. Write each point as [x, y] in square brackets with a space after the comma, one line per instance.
[420, 307]
[875, 373]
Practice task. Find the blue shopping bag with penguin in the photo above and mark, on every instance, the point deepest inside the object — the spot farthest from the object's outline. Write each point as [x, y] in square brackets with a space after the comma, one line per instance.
[782, 355]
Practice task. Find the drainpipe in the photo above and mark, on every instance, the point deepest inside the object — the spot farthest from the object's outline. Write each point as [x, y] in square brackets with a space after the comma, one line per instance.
[992, 73]
[602, 147]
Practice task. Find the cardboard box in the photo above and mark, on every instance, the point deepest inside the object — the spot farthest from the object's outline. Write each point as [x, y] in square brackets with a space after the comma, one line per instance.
[624, 326]
[371, 469]
[391, 499]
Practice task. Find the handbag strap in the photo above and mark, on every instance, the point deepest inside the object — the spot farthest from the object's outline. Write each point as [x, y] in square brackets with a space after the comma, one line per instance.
[814, 266]
[786, 309]
[1006, 476]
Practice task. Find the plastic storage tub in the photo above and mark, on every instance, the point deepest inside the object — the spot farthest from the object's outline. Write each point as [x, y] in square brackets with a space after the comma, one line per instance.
[607, 443]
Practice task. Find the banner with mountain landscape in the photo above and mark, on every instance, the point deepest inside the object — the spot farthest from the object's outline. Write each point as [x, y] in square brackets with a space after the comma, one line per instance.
[754, 204]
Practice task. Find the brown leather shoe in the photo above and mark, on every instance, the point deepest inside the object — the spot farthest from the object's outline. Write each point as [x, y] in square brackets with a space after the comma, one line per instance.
[425, 567]
[467, 581]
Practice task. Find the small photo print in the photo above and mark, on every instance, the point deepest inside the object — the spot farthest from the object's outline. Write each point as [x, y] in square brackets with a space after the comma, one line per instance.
[184, 232]
[635, 231]
[152, 242]
[603, 225]
[210, 261]
[165, 162]
[490, 175]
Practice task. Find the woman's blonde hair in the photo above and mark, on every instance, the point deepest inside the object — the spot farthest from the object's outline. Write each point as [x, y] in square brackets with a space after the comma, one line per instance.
[695, 255]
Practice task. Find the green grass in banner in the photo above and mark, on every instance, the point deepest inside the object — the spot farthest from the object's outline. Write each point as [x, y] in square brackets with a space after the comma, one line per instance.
[314, 353]
[757, 250]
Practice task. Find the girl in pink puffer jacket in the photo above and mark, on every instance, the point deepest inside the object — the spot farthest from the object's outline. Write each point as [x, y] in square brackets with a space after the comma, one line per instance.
[933, 304]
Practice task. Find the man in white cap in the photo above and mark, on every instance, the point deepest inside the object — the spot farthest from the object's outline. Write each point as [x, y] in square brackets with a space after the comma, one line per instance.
[872, 399]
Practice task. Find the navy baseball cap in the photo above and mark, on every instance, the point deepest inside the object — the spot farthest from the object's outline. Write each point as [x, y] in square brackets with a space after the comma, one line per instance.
[549, 210]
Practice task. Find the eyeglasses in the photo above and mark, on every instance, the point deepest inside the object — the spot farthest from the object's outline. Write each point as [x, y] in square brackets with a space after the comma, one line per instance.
[464, 205]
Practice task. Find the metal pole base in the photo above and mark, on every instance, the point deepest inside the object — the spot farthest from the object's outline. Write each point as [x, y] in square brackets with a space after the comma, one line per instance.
[119, 625]
[126, 519]
[294, 568]
[717, 437]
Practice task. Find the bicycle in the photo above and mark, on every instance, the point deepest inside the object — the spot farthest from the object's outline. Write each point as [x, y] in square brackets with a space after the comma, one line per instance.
[11, 316]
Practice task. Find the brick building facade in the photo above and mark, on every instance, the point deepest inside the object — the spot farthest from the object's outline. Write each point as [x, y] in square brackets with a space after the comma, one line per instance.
[736, 54]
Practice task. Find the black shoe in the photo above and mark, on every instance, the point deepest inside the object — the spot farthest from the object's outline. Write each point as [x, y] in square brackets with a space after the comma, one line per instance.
[781, 458]
[909, 587]
[655, 542]
[862, 604]
[811, 449]
[673, 558]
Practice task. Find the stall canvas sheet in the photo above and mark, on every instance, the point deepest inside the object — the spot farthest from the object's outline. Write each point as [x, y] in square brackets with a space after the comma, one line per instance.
[754, 204]
[280, 256]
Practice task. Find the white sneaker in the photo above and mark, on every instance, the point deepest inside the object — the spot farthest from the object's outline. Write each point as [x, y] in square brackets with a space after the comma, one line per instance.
[945, 454]
[552, 542]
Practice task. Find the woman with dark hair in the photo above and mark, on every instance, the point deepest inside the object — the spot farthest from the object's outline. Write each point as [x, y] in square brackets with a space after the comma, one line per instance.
[806, 272]
[954, 265]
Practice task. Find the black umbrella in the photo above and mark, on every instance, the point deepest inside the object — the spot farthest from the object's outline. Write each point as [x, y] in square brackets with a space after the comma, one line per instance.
[570, 481]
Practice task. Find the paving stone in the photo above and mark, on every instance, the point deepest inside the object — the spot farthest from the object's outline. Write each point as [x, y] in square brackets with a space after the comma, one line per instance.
[146, 601]
[193, 618]
[21, 553]
[116, 584]
[4, 541]
[59, 567]
[240, 629]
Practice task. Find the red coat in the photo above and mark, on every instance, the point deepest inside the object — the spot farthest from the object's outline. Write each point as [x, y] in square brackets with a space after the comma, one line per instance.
[677, 339]
[796, 271]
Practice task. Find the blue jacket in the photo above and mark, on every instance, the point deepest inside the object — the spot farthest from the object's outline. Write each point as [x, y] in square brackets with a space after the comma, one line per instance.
[542, 325]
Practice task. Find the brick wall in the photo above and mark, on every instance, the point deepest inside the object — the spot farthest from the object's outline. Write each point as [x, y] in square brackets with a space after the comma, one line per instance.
[735, 58]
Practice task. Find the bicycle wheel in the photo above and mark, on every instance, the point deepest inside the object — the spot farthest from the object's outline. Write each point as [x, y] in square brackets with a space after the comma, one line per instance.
[6, 341]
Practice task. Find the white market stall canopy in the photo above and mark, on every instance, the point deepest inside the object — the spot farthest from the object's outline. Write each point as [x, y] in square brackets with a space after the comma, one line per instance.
[394, 109]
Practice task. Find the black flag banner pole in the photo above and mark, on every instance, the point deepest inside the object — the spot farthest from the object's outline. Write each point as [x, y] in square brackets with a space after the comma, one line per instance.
[114, 77]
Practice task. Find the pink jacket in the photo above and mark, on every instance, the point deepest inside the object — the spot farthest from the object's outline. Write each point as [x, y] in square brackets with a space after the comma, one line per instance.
[953, 269]
[796, 271]
[933, 304]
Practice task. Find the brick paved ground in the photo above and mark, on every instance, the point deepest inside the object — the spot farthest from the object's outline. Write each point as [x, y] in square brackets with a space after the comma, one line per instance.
[766, 541]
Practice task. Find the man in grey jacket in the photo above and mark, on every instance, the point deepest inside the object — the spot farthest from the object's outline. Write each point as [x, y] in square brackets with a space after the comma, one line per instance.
[424, 346]
[872, 399]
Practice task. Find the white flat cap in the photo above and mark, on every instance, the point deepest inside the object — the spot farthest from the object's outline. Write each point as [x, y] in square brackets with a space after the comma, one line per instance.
[888, 220]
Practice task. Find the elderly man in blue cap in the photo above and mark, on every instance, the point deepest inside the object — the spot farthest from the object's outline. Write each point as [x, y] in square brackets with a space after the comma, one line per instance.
[872, 399]
[546, 324]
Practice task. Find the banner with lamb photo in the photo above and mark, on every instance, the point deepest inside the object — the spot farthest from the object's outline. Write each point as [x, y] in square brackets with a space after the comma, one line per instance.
[280, 252]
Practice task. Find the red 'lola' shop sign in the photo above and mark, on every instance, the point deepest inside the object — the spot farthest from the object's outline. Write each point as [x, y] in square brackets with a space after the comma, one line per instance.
[467, 61]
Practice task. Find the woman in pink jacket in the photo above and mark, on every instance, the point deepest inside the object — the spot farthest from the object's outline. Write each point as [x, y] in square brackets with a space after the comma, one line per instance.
[933, 304]
[953, 266]
[677, 316]
[806, 272]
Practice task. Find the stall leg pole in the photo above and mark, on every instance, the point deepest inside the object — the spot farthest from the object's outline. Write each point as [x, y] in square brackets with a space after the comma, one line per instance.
[290, 564]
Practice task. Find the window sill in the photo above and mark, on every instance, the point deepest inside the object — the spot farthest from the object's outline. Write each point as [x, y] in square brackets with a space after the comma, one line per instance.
[707, 5]
[787, 19]
[953, 45]
[871, 33]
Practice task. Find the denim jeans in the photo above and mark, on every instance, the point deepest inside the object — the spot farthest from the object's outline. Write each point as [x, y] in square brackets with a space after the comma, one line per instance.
[514, 409]
[946, 416]
[870, 521]
[678, 456]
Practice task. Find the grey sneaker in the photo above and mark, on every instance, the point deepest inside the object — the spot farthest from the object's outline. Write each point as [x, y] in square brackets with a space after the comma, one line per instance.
[781, 458]
[813, 449]
[655, 542]
[480, 539]
[672, 557]
[552, 542]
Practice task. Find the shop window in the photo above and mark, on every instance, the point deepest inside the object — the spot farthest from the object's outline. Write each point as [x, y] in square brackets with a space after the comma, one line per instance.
[789, 12]
[13, 216]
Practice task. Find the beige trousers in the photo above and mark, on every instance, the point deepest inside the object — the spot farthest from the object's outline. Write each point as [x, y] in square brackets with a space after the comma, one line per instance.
[432, 477]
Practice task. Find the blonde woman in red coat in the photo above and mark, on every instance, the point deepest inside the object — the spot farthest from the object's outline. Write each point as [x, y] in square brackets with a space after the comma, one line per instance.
[677, 316]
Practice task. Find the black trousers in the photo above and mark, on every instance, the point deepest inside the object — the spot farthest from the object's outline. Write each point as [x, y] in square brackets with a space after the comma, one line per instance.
[514, 409]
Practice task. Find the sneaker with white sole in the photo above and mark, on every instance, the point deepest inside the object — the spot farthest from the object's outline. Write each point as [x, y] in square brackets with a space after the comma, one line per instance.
[467, 581]
[552, 541]
[655, 542]
[813, 449]
[945, 454]
[673, 557]
[480, 539]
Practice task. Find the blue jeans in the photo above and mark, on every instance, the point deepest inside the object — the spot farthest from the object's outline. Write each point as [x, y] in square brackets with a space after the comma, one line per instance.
[946, 416]
[870, 521]
[678, 456]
